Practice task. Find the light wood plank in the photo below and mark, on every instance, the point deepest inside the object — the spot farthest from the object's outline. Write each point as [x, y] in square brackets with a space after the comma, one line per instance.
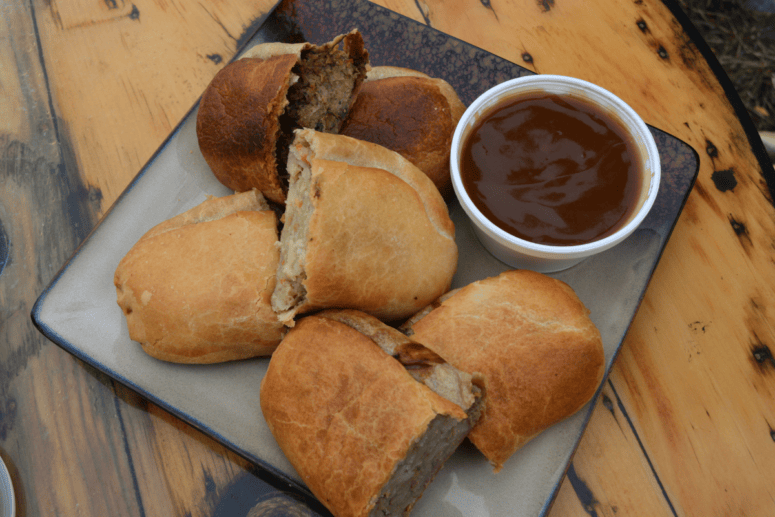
[120, 86]
[602, 457]
[669, 376]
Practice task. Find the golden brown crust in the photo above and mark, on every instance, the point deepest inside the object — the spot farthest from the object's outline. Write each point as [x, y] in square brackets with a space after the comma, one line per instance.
[212, 209]
[531, 338]
[197, 288]
[344, 412]
[379, 238]
[410, 113]
[238, 121]
[269, 50]
[383, 72]
[274, 49]
[422, 363]
[341, 148]
[383, 257]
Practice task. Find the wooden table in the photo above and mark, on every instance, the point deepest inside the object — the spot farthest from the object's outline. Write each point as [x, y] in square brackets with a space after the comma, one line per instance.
[89, 90]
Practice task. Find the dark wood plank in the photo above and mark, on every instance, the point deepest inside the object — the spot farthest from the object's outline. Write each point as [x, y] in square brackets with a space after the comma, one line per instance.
[57, 417]
[74, 441]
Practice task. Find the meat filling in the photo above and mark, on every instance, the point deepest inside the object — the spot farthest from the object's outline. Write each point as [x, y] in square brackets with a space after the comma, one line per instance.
[290, 291]
[319, 99]
[424, 459]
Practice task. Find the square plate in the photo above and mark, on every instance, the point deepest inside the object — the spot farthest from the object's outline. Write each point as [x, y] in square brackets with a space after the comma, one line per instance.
[78, 310]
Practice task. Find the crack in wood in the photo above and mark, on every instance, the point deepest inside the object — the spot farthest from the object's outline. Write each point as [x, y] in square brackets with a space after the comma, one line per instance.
[626, 416]
[738, 227]
[78, 13]
[583, 492]
[128, 453]
[761, 353]
[220, 23]
[423, 12]
[488, 5]
[710, 149]
[545, 5]
[608, 403]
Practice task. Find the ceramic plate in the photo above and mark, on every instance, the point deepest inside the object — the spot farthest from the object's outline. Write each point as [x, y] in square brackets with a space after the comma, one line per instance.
[78, 310]
[7, 498]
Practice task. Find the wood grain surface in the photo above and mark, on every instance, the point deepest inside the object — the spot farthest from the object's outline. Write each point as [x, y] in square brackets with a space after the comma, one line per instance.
[89, 90]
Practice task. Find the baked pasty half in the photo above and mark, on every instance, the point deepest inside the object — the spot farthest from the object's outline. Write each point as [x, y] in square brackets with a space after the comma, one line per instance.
[197, 288]
[531, 338]
[364, 229]
[364, 435]
[249, 110]
[410, 113]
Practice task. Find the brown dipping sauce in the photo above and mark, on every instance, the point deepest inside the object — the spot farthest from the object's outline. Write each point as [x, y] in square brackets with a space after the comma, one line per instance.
[551, 170]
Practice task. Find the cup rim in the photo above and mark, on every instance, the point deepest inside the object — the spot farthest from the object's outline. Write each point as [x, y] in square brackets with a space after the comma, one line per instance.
[627, 116]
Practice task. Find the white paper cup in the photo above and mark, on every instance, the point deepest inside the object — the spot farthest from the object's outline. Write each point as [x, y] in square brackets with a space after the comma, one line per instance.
[523, 254]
